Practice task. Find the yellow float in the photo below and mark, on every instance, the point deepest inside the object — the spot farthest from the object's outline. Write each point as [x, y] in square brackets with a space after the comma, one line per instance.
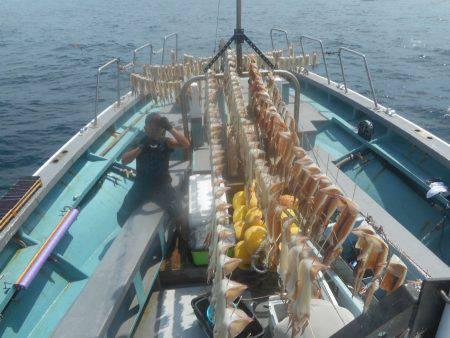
[241, 252]
[253, 238]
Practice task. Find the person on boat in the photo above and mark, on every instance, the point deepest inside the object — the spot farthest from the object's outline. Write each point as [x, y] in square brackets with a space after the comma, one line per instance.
[153, 181]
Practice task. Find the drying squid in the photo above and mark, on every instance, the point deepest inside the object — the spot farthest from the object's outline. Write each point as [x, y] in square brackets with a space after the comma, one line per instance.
[394, 275]
[300, 307]
[287, 241]
[296, 254]
[232, 154]
[341, 230]
[235, 321]
[325, 212]
[228, 264]
[373, 255]
[232, 290]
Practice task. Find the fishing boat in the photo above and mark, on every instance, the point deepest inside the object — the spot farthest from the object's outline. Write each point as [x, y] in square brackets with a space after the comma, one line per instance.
[313, 211]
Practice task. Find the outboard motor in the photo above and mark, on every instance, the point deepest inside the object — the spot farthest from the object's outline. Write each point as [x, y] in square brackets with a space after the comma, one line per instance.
[365, 129]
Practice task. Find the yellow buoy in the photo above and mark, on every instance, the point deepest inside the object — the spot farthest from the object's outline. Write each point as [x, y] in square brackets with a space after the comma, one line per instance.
[258, 222]
[253, 216]
[253, 237]
[239, 213]
[239, 230]
[238, 199]
[241, 252]
[253, 201]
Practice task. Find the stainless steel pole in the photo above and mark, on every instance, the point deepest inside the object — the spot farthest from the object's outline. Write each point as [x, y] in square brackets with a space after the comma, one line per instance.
[238, 14]
[97, 95]
[238, 41]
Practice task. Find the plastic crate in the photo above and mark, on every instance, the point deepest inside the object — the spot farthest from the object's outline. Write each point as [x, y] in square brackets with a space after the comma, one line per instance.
[200, 305]
[200, 257]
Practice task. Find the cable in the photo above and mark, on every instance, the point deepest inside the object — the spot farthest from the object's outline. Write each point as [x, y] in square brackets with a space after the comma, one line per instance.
[217, 27]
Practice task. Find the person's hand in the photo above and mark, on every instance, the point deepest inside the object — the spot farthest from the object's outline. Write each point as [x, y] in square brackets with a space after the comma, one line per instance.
[165, 124]
[143, 143]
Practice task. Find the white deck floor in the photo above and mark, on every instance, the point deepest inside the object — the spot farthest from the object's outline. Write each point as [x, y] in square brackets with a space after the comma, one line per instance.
[169, 314]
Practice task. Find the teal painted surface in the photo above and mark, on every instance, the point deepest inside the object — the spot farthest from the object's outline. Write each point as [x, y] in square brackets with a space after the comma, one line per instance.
[398, 187]
[394, 171]
[335, 141]
[36, 311]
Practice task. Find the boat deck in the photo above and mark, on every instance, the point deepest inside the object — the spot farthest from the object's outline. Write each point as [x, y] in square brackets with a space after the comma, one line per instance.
[90, 184]
[388, 183]
[169, 314]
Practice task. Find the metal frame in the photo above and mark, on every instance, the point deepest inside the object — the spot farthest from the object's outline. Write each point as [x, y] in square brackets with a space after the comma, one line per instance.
[294, 81]
[284, 73]
[184, 103]
[275, 29]
[365, 65]
[239, 38]
[97, 92]
[321, 48]
[164, 46]
[141, 48]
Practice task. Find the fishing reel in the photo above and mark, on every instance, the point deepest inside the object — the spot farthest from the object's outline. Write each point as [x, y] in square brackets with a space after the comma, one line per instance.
[366, 129]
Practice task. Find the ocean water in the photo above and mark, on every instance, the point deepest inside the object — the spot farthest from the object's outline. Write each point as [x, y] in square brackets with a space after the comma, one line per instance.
[49, 52]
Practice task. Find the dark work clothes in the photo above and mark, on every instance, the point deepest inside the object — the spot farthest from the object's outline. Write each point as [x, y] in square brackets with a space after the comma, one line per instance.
[152, 165]
[153, 182]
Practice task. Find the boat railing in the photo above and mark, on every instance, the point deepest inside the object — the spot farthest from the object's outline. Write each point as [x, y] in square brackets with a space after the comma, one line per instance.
[172, 35]
[147, 45]
[276, 29]
[291, 78]
[97, 92]
[305, 37]
[340, 50]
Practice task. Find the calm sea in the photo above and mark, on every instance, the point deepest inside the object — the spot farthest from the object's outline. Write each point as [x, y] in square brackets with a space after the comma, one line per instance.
[49, 52]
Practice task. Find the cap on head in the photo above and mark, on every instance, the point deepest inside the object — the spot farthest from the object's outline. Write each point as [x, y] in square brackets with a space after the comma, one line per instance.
[152, 118]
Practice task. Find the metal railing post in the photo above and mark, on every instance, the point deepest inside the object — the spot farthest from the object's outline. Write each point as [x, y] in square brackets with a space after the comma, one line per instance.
[97, 97]
[275, 29]
[97, 91]
[184, 103]
[164, 46]
[294, 81]
[321, 48]
[141, 48]
[369, 78]
[118, 84]
[342, 72]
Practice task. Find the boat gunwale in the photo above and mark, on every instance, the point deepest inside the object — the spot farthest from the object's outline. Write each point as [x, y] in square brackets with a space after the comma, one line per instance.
[435, 147]
[51, 172]
[430, 263]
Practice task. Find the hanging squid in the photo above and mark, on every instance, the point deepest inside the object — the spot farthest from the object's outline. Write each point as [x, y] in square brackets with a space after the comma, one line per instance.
[373, 255]
[300, 307]
[395, 274]
[341, 229]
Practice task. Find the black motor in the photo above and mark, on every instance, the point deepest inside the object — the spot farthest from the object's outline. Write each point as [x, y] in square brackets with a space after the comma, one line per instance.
[365, 129]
